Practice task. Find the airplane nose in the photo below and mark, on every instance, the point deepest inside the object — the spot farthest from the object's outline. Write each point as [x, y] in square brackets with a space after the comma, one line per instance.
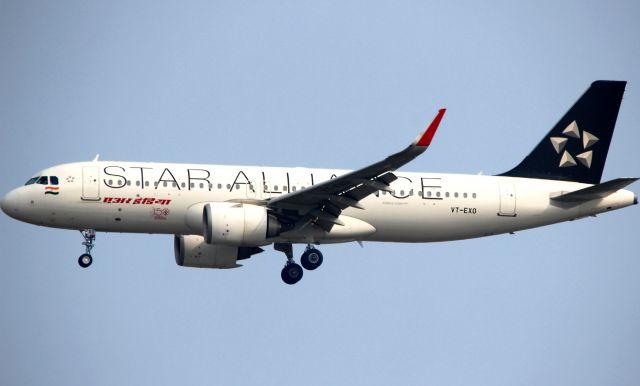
[15, 204]
[2, 205]
[9, 202]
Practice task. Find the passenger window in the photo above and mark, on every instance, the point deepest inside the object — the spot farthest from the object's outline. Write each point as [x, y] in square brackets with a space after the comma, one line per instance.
[455, 194]
[446, 194]
[219, 186]
[183, 185]
[137, 183]
[293, 188]
[32, 181]
[44, 180]
[229, 186]
[128, 182]
[201, 185]
[464, 195]
[437, 194]
[146, 183]
[192, 185]
[53, 180]
[473, 195]
[429, 193]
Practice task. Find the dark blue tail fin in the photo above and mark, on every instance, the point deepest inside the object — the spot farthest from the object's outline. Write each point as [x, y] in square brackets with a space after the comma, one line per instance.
[577, 146]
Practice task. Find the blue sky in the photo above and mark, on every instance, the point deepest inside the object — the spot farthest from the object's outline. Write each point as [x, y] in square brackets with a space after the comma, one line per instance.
[335, 84]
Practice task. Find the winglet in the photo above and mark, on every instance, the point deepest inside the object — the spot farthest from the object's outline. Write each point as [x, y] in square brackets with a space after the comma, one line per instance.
[425, 139]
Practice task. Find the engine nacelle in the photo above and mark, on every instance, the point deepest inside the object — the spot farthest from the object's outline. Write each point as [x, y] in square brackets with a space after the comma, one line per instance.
[193, 251]
[237, 224]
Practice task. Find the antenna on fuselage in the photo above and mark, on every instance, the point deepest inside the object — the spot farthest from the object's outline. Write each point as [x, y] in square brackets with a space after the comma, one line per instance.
[96, 158]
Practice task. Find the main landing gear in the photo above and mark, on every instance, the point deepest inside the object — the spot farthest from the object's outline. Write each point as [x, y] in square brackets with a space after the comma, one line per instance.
[292, 272]
[85, 259]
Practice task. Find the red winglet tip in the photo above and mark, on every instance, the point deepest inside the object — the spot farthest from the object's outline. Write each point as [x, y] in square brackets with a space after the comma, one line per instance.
[425, 139]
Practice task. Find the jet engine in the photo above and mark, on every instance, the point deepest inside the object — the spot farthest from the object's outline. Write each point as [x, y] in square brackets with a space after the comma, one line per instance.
[193, 251]
[236, 224]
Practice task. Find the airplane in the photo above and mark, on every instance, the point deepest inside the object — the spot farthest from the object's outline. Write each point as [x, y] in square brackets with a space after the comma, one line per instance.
[220, 215]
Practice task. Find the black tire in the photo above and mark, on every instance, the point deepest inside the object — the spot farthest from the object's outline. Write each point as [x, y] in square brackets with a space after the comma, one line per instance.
[311, 259]
[291, 273]
[85, 260]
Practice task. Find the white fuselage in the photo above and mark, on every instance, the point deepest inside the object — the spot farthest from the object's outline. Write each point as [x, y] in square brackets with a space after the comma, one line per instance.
[142, 197]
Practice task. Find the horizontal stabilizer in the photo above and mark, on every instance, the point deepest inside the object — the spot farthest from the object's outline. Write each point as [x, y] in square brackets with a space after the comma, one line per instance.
[596, 191]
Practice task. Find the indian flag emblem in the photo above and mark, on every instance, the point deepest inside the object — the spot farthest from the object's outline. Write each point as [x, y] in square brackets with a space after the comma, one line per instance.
[51, 189]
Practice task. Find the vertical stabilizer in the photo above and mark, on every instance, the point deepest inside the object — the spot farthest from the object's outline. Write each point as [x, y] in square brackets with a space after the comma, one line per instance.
[577, 146]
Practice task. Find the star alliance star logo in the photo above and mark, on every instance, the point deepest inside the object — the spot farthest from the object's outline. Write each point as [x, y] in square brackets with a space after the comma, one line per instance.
[572, 131]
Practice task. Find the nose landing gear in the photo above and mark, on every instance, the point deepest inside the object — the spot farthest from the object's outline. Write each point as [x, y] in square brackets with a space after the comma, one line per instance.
[292, 272]
[89, 236]
[85, 260]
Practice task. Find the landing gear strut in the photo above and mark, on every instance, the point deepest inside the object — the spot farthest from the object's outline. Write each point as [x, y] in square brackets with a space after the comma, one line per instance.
[292, 272]
[89, 236]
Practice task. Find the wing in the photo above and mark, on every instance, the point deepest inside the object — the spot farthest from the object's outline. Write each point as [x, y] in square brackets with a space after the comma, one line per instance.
[322, 203]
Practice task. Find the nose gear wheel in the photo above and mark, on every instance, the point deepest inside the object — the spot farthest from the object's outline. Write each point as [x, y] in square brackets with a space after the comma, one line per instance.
[89, 236]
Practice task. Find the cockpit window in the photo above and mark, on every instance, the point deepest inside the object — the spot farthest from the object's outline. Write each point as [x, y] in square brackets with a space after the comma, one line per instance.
[32, 181]
[43, 180]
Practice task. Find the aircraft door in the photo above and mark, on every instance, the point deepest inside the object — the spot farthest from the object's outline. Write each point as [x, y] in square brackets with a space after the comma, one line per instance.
[507, 199]
[91, 183]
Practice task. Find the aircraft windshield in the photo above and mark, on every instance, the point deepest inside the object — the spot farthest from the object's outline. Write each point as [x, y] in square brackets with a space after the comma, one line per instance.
[43, 180]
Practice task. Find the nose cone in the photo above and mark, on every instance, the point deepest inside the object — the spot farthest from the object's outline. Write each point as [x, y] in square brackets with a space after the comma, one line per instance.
[9, 203]
[2, 204]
